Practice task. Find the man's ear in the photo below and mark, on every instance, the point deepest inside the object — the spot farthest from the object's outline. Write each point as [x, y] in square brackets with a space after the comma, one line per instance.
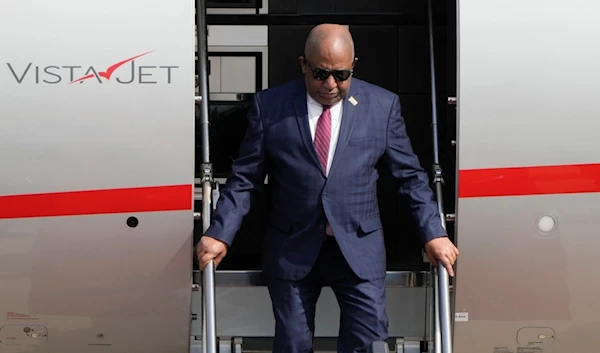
[302, 64]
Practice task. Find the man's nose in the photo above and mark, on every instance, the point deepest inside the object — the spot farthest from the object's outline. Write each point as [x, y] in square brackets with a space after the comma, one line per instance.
[330, 82]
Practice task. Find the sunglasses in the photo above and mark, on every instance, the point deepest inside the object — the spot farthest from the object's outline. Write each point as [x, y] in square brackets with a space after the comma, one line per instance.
[323, 74]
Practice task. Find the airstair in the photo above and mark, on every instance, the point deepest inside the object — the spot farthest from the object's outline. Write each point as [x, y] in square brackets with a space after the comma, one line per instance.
[231, 306]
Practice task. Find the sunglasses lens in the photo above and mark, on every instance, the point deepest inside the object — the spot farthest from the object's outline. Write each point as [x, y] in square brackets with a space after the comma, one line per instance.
[342, 75]
[321, 74]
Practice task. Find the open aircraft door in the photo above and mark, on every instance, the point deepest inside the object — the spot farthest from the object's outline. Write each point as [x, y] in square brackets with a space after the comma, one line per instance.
[440, 306]
[96, 175]
[529, 178]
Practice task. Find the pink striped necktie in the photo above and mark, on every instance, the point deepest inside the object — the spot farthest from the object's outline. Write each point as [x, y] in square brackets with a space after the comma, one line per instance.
[323, 136]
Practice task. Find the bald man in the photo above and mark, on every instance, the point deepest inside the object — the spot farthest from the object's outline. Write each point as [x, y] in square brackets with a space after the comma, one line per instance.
[319, 139]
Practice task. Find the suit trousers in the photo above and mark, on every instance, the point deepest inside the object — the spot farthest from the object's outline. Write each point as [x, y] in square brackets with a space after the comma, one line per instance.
[362, 305]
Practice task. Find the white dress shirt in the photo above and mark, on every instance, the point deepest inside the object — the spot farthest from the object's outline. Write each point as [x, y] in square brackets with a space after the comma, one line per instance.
[315, 109]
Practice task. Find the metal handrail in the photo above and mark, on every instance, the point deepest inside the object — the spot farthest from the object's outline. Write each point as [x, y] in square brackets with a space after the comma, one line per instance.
[443, 334]
[209, 326]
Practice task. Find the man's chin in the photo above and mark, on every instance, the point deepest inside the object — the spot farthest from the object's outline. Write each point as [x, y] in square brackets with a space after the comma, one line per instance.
[328, 99]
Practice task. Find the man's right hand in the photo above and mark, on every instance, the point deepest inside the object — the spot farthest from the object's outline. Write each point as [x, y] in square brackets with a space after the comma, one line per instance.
[210, 249]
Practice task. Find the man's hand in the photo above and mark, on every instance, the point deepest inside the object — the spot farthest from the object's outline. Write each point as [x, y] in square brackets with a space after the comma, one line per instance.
[443, 250]
[210, 249]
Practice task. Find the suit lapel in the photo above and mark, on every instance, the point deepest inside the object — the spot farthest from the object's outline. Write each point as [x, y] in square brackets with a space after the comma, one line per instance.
[299, 100]
[350, 108]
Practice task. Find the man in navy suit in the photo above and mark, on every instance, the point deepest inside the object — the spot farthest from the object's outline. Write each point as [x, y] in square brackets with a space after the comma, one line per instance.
[319, 139]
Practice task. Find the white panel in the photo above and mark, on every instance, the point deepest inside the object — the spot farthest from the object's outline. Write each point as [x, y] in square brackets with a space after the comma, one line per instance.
[241, 49]
[238, 35]
[238, 74]
[519, 67]
[214, 79]
[55, 125]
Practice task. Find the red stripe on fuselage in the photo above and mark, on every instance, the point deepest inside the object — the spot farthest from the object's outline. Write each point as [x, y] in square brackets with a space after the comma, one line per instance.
[523, 181]
[493, 182]
[92, 202]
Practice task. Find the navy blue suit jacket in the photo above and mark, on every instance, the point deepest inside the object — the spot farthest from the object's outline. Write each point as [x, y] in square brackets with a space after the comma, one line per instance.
[278, 143]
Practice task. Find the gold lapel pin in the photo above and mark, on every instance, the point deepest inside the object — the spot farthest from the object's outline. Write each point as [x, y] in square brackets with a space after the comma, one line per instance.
[353, 101]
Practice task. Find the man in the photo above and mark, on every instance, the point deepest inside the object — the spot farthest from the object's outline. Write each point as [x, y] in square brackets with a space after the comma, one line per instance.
[319, 140]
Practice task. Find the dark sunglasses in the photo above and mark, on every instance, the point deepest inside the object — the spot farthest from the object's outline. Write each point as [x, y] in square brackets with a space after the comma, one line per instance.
[323, 74]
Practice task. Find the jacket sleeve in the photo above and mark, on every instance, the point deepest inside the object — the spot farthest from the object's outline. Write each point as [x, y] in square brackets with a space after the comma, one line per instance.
[246, 179]
[411, 179]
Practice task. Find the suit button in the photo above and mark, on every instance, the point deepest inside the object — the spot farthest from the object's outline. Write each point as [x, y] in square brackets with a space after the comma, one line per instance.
[321, 226]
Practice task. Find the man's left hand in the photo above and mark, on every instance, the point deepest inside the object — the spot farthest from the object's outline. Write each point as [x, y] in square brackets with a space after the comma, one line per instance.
[443, 250]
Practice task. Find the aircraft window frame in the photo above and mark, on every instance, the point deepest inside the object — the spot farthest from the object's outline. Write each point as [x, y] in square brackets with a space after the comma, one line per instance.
[232, 100]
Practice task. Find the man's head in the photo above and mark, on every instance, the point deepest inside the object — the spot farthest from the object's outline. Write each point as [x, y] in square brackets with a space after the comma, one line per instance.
[328, 62]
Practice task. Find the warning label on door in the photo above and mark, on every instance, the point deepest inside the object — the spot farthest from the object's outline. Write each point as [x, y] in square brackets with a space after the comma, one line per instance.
[519, 350]
[503, 350]
[461, 317]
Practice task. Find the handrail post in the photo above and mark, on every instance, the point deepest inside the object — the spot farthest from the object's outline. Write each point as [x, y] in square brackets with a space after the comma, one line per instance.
[209, 327]
[437, 333]
[443, 305]
[443, 334]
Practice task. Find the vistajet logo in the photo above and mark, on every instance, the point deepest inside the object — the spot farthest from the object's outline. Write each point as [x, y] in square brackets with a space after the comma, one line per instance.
[71, 74]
